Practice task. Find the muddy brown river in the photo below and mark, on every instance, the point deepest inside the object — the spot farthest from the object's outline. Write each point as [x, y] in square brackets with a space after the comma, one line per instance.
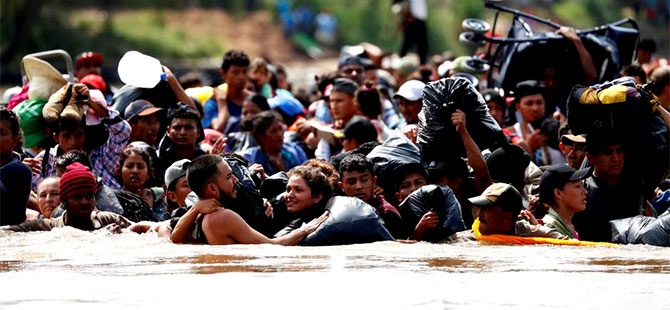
[68, 268]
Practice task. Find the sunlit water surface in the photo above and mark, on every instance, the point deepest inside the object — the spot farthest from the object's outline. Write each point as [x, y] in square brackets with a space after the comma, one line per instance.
[80, 270]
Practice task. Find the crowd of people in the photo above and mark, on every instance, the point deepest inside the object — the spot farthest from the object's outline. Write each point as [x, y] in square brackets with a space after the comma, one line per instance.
[191, 161]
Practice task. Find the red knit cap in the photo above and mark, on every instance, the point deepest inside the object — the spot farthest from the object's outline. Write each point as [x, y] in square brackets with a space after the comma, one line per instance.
[76, 178]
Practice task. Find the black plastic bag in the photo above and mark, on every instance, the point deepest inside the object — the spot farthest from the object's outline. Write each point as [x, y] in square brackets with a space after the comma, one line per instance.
[388, 157]
[658, 232]
[350, 221]
[437, 136]
[274, 185]
[248, 203]
[441, 200]
[642, 229]
[629, 230]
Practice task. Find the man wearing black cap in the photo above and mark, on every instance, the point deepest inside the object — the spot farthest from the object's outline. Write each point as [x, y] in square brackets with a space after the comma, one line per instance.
[352, 67]
[611, 195]
[144, 119]
[562, 192]
[343, 108]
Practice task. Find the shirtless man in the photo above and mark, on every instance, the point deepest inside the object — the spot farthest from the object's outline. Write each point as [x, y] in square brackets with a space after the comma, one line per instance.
[212, 179]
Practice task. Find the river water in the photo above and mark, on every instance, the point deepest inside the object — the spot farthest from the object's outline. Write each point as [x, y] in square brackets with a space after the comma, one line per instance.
[80, 270]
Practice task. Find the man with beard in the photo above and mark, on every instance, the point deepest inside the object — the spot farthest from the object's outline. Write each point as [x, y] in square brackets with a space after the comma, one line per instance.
[208, 221]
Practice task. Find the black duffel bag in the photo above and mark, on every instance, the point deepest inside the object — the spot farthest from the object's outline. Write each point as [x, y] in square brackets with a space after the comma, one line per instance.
[440, 199]
[351, 221]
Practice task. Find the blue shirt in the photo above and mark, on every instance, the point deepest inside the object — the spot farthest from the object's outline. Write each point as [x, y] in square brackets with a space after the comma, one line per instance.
[292, 154]
[210, 110]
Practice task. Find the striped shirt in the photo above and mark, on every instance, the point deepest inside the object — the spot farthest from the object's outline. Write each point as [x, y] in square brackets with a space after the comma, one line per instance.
[104, 159]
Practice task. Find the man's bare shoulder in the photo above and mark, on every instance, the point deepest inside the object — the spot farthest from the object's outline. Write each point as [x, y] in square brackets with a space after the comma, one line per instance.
[220, 219]
[220, 226]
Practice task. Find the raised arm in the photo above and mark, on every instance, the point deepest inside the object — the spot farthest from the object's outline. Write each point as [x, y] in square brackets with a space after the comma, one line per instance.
[178, 90]
[584, 55]
[220, 122]
[475, 159]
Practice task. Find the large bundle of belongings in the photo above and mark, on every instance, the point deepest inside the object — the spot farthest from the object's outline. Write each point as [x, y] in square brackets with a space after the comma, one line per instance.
[621, 111]
[437, 136]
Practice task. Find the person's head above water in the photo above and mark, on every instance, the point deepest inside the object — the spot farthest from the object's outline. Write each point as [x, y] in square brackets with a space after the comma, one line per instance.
[499, 205]
[210, 176]
[306, 187]
[357, 178]
[77, 188]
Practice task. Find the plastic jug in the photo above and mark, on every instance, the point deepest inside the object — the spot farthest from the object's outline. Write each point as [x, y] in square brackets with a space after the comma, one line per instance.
[140, 70]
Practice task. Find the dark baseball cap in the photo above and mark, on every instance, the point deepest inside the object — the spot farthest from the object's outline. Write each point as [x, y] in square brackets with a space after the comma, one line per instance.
[351, 60]
[556, 177]
[140, 108]
[499, 194]
[344, 85]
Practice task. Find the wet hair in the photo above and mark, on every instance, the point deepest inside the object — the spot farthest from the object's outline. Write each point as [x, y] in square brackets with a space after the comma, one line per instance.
[234, 58]
[202, 171]
[355, 162]
[262, 121]
[328, 170]
[369, 100]
[634, 70]
[13, 119]
[71, 157]
[133, 151]
[315, 179]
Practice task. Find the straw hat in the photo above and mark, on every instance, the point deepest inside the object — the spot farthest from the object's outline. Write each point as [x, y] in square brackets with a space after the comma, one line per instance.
[44, 78]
